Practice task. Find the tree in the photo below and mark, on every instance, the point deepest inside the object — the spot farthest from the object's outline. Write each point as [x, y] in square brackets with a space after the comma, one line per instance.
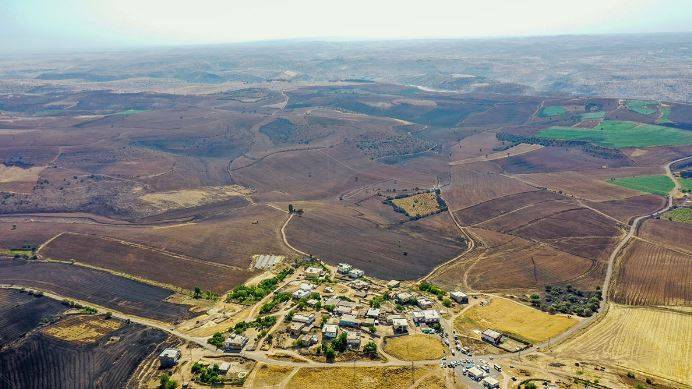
[340, 343]
[290, 208]
[370, 349]
[447, 302]
[198, 293]
[165, 382]
[329, 353]
[529, 385]
[217, 340]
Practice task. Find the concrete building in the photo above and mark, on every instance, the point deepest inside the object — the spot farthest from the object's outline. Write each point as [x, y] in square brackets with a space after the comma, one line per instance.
[459, 297]
[373, 313]
[169, 357]
[360, 285]
[491, 336]
[343, 310]
[475, 373]
[296, 328]
[348, 321]
[403, 297]
[427, 316]
[343, 268]
[307, 286]
[306, 319]
[330, 330]
[313, 271]
[356, 273]
[224, 367]
[369, 322]
[393, 284]
[424, 303]
[490, 383]
[353, 339]
[400, 326]
[235, 342]
[300, 293]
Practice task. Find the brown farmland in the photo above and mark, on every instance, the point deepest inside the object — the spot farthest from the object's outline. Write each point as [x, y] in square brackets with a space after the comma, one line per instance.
[650, 274]
[158, 266]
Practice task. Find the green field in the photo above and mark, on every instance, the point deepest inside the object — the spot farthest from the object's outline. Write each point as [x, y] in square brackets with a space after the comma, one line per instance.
[642, 107]
[620, 134]
[680, 215]
[553, 110]
[686, 184]
[659, 185]
[665, 116]
[592, 115]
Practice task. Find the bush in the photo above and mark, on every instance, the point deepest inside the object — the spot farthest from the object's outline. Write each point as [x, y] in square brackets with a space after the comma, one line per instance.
[430, 288]
[370, 349]
[165, 382]
[447, 302]
[217, 340]
[339, 344]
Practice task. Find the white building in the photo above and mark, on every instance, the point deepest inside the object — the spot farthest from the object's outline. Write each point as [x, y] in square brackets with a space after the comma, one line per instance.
[353, 339]
[169, 357]
[313, 271]
[343, 268]
[300, 318]
[459, 297]
[426, 316]
[491, 336]
[393, 284]
[300, 293]
[373, 313]
[403, 297]
[400, 325]
[424, 303]
[330, 330]
[235, 342]
[490, 383]
[356, 273]
[475, 373]
[307, 286]
[348, 321]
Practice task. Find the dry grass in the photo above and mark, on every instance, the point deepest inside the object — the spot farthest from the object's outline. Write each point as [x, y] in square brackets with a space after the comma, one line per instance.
[83, 329]
[513, 318]
[356, 378]
[192, 197]
[270, 376]
[415, 347]
[17, 174]
[650, 340]
[521, 148]
[422, 204]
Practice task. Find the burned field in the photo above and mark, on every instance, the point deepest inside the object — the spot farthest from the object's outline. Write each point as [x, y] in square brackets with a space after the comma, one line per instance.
[33, 354]
[21, 312]
[98, 287]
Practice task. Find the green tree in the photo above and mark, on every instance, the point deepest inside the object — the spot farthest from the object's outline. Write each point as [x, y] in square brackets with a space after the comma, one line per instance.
[290, 208]
[447, 302]
[329, 353]
[529, 385]
[217, 340]
[340, 343]
[165, 382]
[198, 292]
[370, 349]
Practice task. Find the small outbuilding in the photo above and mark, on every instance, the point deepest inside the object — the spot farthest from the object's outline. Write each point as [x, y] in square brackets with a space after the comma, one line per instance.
[491, 336]
[459, 297]
[400, 325]
[330, 330]
[169, 357]
[235, 342]
[348, 321]
[490, 383]
[475, 373]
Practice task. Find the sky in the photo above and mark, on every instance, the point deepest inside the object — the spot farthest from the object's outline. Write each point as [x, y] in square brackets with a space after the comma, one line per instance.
[42, 25]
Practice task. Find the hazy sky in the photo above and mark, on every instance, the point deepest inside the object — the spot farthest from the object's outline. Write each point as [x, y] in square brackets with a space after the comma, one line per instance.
[65, 24]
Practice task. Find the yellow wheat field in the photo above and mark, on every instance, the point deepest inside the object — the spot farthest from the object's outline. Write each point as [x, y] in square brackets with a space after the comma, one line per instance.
[649, 340]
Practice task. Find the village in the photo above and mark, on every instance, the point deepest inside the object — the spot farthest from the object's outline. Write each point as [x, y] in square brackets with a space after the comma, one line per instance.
[319, 315]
